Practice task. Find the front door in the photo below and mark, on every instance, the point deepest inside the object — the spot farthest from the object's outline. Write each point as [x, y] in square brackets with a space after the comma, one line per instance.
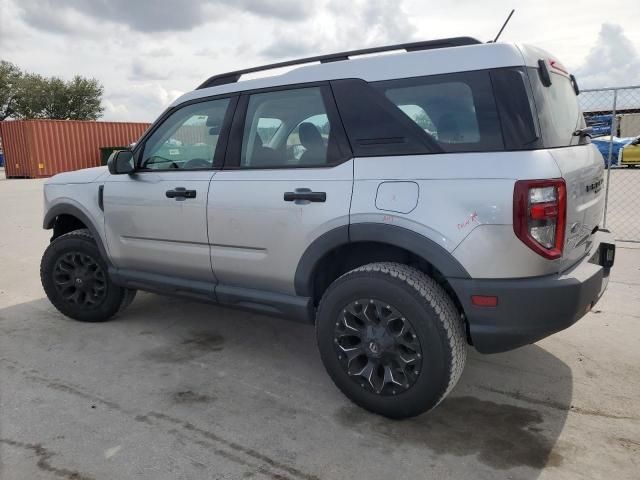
[156, 218]
[287, 179]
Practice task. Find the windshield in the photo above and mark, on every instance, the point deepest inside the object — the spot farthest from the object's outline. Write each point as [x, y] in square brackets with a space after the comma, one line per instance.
[558, 111]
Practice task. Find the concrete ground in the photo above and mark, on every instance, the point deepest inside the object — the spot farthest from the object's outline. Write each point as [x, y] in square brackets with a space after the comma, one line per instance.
[173, 389]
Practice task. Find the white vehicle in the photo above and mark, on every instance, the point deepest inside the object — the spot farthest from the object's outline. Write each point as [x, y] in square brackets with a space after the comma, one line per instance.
[408, 205]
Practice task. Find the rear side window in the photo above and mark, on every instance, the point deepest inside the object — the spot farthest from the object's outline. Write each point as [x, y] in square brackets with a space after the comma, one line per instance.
[558, 110]
[516, 108]
[377, 127]
[457, 110]
[434, 114]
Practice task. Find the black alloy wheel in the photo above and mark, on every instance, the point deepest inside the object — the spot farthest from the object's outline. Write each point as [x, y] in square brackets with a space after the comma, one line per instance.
[79, 279]
[377, 347]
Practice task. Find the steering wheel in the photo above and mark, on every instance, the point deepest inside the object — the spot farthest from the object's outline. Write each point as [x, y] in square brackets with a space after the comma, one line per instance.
[197, 163]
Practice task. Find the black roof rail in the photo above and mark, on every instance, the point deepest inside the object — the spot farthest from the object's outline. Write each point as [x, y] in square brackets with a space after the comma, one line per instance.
[232, 77]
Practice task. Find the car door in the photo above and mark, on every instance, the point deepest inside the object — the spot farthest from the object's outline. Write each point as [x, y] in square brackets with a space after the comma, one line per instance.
[287, 179]
[156, 218]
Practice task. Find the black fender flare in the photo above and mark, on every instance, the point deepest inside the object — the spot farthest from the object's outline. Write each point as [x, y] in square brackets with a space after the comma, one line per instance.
[393, 235]
[70, 209]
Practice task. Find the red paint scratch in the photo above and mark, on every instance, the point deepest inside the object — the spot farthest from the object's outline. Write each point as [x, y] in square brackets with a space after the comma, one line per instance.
[471, 219]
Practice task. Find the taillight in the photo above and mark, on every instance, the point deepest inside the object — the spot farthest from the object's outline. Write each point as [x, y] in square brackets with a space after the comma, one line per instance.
[539, 215]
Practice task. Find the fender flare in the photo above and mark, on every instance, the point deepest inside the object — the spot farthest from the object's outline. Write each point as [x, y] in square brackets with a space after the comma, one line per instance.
[69, 209]
[400, 237]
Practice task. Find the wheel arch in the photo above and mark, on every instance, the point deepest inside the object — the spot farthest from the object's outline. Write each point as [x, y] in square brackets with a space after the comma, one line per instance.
[347, 247]
[66, 217]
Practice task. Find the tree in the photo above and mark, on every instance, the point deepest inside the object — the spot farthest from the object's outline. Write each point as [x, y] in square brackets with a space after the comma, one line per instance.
[29, 95]
[10, 76]
[85, 98]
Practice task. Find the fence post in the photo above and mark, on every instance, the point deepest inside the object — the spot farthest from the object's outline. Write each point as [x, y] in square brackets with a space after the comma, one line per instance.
[614, 129]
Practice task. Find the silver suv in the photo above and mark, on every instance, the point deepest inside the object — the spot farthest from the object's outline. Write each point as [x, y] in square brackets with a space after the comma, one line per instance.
[406, 204]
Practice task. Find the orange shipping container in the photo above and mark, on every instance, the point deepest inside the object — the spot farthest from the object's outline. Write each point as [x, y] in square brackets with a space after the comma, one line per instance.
[41, 148]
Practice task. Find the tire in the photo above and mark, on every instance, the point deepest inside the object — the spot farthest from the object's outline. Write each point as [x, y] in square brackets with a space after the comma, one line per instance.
[75, 278]
[407, 312]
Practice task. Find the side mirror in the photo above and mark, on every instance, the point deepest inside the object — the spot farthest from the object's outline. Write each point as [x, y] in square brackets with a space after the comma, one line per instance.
[121, 162]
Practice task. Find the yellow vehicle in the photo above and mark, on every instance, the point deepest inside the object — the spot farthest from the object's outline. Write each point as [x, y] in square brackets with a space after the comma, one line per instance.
[630, 154]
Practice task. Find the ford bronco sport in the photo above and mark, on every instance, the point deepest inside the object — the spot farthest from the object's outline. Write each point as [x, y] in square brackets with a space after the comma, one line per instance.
[408, 205]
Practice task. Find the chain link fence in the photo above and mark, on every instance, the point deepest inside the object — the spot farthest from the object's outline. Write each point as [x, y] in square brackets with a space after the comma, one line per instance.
[614, 115]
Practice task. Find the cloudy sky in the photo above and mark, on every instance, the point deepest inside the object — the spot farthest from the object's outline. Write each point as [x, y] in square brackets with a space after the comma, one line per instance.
[147, 52]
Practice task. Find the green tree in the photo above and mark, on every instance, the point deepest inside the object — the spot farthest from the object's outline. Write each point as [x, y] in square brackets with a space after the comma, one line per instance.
[10, 76]
[84, 98]
[29, 95]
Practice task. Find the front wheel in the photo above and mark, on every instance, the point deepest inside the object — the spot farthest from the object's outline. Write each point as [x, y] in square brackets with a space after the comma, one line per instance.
[75, 278]
[391, 339]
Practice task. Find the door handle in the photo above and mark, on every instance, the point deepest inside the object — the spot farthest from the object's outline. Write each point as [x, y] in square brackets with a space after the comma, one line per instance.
[180, 193]
[305, 194]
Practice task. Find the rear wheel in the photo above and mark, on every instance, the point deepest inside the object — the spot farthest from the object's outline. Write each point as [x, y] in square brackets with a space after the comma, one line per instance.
[75, 278]
[391, 339]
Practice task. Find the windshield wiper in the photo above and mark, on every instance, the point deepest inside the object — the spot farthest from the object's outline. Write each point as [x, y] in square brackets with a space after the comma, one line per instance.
[583, 132]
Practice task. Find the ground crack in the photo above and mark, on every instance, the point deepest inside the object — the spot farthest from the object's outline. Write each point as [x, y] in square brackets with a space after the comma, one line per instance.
[44, 456]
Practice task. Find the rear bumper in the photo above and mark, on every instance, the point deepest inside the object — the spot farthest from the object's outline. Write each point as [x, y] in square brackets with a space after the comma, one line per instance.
[533, 308]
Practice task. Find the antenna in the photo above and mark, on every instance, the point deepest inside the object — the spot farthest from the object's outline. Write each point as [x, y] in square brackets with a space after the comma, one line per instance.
[503, 25]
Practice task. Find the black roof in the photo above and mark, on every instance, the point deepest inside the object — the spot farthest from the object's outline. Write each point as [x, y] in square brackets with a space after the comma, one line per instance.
[232, 77]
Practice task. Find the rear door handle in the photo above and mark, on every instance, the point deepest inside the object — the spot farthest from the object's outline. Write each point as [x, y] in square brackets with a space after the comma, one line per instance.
[180, 193]
[305, 194]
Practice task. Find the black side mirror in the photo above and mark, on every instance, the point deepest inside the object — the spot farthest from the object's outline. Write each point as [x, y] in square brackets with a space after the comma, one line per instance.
[121, 162]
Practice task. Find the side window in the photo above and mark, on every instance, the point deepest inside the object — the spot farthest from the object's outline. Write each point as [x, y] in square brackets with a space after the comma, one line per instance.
[457, 110]
[422, 119]
[516, 107]
[267, 128]
[295, 149]
[287, 128]
[187, 139]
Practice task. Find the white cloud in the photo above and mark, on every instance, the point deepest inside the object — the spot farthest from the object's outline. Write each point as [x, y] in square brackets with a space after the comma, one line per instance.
[146, 52]
[144, 70]
[612, 62]
[138, 103]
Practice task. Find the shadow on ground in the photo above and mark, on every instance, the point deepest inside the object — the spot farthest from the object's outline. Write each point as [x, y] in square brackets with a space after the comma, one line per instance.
[507, 411]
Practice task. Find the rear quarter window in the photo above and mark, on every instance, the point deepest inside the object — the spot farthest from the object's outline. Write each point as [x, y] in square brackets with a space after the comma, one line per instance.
[457, 110]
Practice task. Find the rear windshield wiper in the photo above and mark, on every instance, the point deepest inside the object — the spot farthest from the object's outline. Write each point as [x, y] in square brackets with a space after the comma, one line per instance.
[583, 132]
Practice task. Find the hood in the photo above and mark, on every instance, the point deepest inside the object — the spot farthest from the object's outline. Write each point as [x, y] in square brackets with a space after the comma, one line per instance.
[86, 175]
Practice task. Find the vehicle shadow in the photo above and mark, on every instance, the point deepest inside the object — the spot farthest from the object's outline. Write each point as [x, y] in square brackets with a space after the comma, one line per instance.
[506, 413]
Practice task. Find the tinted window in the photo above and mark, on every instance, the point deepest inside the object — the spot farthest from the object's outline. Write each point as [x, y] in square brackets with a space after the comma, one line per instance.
[375, 126]
[420, 117]
[558, 110]
[434, 114]
[298, 133]
[187, 139]
[515, 105]
[457, 110]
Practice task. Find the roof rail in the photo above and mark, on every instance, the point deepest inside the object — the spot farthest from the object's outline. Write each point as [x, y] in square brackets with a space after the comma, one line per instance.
[232, 77]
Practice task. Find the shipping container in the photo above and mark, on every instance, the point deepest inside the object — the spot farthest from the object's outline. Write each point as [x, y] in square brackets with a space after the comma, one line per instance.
[42, 148]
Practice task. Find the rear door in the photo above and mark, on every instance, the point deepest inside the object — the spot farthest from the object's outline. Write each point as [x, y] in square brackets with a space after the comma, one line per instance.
[287, 179]
[156, 218]
[580, 162]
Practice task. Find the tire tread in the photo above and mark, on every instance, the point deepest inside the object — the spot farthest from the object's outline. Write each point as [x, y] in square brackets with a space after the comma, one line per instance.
[437, 298]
